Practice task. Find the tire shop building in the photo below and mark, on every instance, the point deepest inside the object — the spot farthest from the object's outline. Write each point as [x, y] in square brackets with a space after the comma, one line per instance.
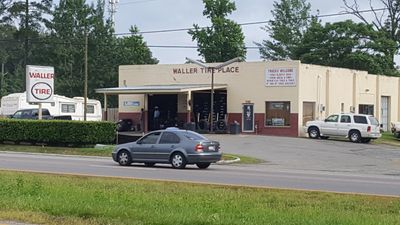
[267, 98]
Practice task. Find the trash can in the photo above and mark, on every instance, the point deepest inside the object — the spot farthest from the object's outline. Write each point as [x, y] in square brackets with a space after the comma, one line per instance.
[124, 125]
[234, 128]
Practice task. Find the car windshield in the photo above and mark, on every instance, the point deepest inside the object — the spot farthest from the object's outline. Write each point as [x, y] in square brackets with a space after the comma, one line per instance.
[194, 136]
[373, 120]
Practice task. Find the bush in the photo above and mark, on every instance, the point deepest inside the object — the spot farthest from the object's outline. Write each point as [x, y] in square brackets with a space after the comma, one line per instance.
[57, 132]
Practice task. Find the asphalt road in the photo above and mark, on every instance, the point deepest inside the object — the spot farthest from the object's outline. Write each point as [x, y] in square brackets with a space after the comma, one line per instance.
[251, 175]
[304, 154]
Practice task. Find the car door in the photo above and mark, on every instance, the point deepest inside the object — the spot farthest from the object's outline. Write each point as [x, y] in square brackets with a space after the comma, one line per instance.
[344, 125]
[330, 126]
[168, 142]
[145, 148]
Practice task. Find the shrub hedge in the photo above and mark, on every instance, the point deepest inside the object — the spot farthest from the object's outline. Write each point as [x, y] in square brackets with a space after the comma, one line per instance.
[57, 132]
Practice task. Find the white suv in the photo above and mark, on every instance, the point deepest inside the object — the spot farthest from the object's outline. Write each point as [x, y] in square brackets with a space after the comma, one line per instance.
[356, 127]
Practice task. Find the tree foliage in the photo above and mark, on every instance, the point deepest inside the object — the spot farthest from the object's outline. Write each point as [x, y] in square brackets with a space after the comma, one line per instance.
[291, 18]
[58, 40]
[346, 44]
[222, 41]
[386, 21]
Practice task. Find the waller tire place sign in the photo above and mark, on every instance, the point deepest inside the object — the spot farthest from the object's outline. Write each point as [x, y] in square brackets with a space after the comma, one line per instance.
[39, 84]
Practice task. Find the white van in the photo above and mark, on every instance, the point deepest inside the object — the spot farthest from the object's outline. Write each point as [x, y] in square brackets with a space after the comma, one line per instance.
[62, 106]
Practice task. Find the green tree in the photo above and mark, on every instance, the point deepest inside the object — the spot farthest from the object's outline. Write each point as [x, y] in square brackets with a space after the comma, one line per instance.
[19, 39]
[385, 21]
[345, 44]
[291, 18]
[72, 21]
[133, 49]
[222, 41]
[4, 6]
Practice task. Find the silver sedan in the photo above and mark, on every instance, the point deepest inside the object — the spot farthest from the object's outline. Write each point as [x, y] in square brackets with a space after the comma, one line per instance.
[172, 145]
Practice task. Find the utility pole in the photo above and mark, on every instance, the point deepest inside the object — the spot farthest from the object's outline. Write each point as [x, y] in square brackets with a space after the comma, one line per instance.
[86, 78]
[112, 9]
[2, 79]
[26, 37]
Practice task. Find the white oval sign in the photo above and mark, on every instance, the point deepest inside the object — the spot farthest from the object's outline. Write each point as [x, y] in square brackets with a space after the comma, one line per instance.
[42, 91]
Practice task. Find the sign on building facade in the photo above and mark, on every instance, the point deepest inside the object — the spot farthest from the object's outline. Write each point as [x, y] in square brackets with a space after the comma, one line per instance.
[280, 77]
[39, 84]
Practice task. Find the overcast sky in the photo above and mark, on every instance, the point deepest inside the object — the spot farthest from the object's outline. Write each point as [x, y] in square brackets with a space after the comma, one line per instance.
[150, 15]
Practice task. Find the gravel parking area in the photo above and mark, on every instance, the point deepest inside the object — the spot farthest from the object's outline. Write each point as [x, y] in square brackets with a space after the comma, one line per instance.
[316, 155]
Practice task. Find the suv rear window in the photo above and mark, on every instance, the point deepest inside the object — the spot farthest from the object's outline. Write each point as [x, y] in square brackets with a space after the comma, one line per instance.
[373, 120]
[360, 119]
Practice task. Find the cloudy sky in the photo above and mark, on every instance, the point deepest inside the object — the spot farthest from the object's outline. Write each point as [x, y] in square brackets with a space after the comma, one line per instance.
[152, 15]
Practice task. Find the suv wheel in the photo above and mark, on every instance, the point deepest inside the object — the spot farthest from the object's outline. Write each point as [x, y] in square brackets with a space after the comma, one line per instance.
[124, 158]
[313, 132]
[178, 160]
[355, 136]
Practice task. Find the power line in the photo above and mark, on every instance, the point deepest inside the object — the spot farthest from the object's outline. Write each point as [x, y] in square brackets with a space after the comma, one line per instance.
[33, 41]
[253, 23]
[182, 29]
[135, 2]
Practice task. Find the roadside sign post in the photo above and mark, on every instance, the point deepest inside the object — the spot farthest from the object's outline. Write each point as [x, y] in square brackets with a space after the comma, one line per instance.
[39, 85]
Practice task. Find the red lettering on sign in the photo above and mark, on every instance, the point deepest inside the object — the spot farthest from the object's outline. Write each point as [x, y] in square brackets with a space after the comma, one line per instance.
[42, 91]
[41, 75]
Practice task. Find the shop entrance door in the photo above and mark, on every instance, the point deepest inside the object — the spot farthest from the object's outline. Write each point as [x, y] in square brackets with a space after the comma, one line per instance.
[248, 117]
[385, 112]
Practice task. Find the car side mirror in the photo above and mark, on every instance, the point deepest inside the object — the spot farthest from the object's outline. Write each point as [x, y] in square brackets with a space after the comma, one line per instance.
[139, 142]
[325, 120]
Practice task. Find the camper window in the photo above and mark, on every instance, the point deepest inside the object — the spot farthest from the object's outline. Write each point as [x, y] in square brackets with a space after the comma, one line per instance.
[90, 109]
[68, 108]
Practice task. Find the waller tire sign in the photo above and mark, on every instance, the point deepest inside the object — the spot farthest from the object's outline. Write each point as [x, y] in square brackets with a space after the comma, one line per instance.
[39, 84]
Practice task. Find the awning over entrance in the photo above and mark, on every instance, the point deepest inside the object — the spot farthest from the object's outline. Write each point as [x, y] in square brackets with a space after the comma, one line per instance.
[159, 89]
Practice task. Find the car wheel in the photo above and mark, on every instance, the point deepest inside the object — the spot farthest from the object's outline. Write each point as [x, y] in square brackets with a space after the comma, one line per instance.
[355, 136]
[366, 140]
[203, 165]
[124, 158]
[313, 132]
[178, 160]
[149, 164]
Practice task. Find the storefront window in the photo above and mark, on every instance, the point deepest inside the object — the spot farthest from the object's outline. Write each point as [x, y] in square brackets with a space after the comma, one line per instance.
[277, 114]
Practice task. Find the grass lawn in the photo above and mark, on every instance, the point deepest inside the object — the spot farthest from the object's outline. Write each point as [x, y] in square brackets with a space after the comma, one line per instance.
[55, 199]
[106, 152]
[389, 139]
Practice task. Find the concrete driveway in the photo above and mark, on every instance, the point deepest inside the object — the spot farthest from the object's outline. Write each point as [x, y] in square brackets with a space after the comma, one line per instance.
[315, 155]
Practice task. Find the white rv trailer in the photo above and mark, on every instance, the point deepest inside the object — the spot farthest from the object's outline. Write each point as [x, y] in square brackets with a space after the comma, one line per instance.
[62, 106]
